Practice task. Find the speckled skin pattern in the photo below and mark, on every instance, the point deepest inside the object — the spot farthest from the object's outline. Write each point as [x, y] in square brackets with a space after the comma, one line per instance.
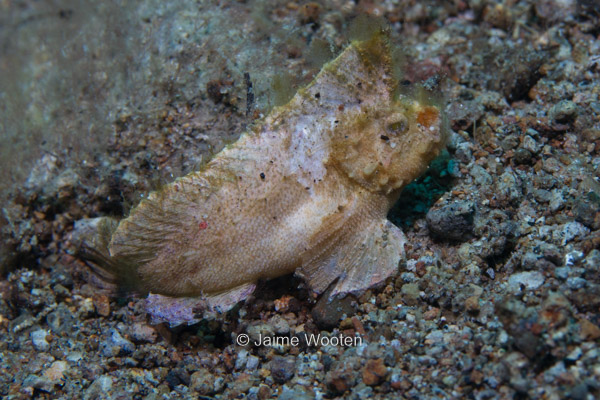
[307, 190]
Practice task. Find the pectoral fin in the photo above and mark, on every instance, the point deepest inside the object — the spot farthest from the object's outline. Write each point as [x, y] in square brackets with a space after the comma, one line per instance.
[190, 310]
[358, 261]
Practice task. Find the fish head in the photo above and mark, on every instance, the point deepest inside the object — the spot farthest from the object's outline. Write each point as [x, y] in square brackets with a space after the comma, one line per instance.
[388, 144]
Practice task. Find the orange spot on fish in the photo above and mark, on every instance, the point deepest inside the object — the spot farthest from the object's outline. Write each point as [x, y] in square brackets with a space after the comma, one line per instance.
[203, 225]
[428, 116]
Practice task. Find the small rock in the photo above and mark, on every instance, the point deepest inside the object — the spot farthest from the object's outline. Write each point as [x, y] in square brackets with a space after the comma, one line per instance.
[39, 340]
[61, 320]
[52, 376]
[252, 363]
[283, 368]
[280, 325]
[563, 111]
[531, 144]
[556, 200]
[463, 152]
[592, 261]
[588, 330]
[522, 156]
[562, 272]
[435, 337]
[328, 314]
[574, 355]
[374, 372]
[242, 383]
[264, 392]
[86, 308]
[176, 377]
[340, 380]
[529, 280]
[258, 331]
[115, 345]
[99, 388]
[453, 221]
[570, 231]
[203, 382]
[481, 176]
[410, 292]
[22, 322]
[241, 359]
[102, 305]
[296, 392]
[141, 333]
[508, 187]
[472, 304]
[449, 381]
[399, 382]
[576, 283]
[554, 372]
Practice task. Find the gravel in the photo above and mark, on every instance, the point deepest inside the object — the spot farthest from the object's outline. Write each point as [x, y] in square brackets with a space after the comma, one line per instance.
[498, 296]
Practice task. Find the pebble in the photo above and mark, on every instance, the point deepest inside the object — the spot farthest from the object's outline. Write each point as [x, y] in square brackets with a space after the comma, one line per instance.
[99, 388]
[481, 176]
[102, 305]
[529, 280]
[295, 392]
[252, 363]
[241, 359]
[557, 200]
[563, 111]
[588, 330]
[203, 382]
[328, 314]
[523, 152]
[451, 222]
[340, 379]
[22, 322]
[576, 283]
[143, 333]
[258, 331]
[569, 231]
[374, 372]
[61, 320]
[592, 261]
[38, 338]
[522, 156]
[51, 377]
[283, 368]
[531, 144]
[115, 345]
[280, 325]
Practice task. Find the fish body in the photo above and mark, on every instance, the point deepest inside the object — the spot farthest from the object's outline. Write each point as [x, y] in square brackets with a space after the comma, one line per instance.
[306, 190]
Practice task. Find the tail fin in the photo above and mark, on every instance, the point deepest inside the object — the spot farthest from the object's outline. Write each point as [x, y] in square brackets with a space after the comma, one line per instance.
[111, 275]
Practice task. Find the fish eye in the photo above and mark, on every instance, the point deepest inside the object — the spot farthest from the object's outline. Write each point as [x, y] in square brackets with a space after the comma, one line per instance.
[397, 127]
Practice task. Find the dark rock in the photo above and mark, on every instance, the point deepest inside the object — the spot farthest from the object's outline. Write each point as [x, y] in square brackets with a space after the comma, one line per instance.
[374, 372]
[522, 156]
[451, 222]
[61, 276]
[61, 320]
[283, 368]
[178, 376]
[584, 212]
[340, 379]
[328, 314]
